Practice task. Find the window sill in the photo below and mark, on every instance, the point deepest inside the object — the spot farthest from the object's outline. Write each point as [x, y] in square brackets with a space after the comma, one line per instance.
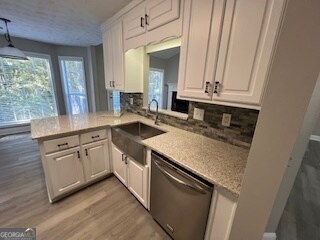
[25, 124]
[179, 115]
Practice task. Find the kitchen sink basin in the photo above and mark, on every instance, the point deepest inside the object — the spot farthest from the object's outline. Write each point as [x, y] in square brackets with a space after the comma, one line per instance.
[128, 138]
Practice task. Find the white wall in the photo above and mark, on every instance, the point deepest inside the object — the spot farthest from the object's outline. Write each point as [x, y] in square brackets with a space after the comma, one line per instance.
[316, 130]
[293, 74]
[171, 71]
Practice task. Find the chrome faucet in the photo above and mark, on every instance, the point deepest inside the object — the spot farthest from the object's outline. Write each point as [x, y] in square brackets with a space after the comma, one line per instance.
[156, 122]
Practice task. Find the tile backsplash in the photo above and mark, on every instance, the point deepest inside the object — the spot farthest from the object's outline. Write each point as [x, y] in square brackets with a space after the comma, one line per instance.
[240, 132]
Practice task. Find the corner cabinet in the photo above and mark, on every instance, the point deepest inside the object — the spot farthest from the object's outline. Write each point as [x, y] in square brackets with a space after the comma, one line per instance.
[237, 39]
[132, 174]
[152, 21]
[123, 71]
[75, 161]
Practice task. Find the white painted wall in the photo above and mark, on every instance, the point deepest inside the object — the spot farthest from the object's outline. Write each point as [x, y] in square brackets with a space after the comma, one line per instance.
[171, 69]
[316, 130]
[293, 74]
[297, 155]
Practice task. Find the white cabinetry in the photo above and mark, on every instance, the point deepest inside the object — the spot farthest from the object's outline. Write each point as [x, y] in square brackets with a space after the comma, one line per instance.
[152, 21]
[237, 39]
[137, 181]
[119, 165]
[65, 170]
[223, 207]
[96, 160]
[123, 71]
[72, 162]
[132, 174]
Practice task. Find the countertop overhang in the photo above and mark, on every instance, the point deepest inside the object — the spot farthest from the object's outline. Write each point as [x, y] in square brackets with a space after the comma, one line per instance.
[220, 163]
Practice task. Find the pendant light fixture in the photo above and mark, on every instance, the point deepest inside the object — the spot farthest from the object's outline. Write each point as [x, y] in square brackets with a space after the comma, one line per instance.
[10, 51]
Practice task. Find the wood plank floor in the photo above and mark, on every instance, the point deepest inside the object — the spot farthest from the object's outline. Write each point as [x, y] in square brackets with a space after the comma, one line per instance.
[105, 210]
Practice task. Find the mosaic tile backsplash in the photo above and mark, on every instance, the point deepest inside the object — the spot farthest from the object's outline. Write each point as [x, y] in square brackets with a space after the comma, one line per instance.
[240, 132]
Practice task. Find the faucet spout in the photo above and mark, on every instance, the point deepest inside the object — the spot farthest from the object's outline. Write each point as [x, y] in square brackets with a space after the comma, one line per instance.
[157, 111]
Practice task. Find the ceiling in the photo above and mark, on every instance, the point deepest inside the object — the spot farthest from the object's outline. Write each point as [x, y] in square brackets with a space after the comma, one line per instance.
[166, 54]
[65, 22]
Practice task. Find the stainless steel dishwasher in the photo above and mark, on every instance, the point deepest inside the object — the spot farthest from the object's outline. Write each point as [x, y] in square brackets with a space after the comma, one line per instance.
[179, 201]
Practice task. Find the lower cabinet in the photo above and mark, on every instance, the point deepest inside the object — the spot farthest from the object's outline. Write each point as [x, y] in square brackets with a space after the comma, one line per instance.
[75, 161]
[221, 215]
[137, 181]
[65, 170]
[132, 174]
[95, 160]
[119, 166]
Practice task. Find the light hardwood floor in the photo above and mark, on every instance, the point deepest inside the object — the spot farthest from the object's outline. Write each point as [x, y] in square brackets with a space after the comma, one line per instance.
[105, 210]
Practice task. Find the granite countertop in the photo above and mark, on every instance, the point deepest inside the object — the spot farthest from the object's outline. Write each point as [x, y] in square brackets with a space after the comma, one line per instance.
[220, 163]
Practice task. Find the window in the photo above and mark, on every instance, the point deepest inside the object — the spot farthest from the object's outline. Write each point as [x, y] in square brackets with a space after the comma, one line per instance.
[155, 87]
[116, 101]
[26, 90]
[74, 84]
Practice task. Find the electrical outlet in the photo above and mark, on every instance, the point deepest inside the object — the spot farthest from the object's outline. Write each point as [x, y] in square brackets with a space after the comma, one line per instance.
[226, 119]
[131, 101]
[198, 114]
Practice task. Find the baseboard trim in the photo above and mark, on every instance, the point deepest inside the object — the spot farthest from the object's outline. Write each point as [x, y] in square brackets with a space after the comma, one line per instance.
[315, 138]
[269, 236]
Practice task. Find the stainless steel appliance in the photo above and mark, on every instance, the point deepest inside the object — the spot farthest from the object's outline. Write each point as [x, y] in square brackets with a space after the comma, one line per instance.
[128, 138]
[179, 201]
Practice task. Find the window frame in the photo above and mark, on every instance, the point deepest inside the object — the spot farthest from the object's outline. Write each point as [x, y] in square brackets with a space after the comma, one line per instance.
[163, 84]
[54, 87]
[63, 83]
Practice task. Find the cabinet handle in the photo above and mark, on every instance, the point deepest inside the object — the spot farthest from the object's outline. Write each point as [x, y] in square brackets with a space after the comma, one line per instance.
[86, 150]
[142, 22]
[207, 88]
[63, 144]
[113, 85]
[146, 16]
[217, 86]
[97, 136]
[78, 154]
[126, 159]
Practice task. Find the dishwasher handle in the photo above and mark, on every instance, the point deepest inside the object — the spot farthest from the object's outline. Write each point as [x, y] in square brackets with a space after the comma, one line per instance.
[191, 186]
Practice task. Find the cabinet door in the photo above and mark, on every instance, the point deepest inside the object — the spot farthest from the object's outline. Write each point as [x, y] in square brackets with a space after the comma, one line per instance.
[118, 56]
[96, 160]
[247, 41]
[134, 22]
[66, 170]
[199, 49]
[138, 181]
[119, 165]
[160, 12]
[108, 58]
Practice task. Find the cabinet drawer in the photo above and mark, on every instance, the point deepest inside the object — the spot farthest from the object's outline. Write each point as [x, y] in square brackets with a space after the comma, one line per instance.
[93, 136]
[61, 144]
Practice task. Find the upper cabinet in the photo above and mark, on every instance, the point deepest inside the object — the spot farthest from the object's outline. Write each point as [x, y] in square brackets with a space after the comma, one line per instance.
[237, 38]
[123, 70]
[152, 21]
